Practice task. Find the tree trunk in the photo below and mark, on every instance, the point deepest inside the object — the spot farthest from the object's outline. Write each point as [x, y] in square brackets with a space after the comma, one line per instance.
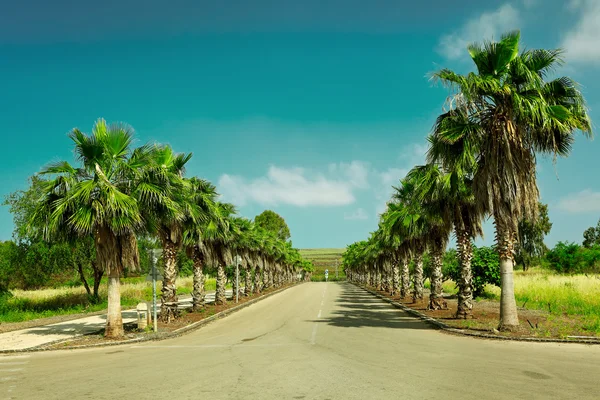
[436, 296]
[169, 300]
[505, 239]
[395, 278]
[198, 292]
[405, 279]
[98, 274]
[418, 277]
[248, 290]
[377, 278]
[464, 250]
[265, 276]
[108, 253]
[220, 290]
[114, 320]
[257, 280]
[83, 280]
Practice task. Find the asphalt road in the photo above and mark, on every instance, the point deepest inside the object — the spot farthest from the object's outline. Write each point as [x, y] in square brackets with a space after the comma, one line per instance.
[313, 341]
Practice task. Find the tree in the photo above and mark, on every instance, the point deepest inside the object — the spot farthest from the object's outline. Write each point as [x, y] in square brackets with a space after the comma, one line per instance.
[531, 237]
[591, 236]
[273, 222]
[82, 255]
[512, 114]
[91, 201]
[166, 203]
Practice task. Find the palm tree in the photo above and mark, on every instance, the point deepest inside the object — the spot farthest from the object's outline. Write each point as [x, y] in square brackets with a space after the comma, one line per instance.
[92, 200]
[167, 202]
[454, 184]
[513, 113]
[206, 226]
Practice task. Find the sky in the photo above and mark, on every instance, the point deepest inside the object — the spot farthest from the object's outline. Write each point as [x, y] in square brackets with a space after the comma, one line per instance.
[313, 109]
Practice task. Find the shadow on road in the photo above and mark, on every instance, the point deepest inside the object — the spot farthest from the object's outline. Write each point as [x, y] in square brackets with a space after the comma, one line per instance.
[355, 308]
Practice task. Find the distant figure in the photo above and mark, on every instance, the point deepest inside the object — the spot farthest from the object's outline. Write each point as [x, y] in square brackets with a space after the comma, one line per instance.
[326, 275]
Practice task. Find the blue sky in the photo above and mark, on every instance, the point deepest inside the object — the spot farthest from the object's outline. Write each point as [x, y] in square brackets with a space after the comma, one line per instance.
[312, 109]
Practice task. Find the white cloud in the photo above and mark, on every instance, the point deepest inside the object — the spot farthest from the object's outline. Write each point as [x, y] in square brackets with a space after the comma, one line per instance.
[295, 186]
[487, 26]
[357, 172]
[582, 202]
[359, 213]
[582, 42]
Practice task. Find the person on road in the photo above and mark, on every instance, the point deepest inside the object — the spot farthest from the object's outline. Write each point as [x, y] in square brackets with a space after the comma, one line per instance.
[326, 275]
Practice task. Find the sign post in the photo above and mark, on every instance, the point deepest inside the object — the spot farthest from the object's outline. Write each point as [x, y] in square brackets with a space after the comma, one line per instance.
[154, 276]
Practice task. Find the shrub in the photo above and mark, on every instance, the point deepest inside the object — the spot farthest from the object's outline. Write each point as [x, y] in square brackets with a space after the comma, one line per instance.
[571, 258]
[485, 268]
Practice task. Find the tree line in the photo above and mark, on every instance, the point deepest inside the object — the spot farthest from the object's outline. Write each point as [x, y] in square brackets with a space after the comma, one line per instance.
[98, 214]
[481, 162]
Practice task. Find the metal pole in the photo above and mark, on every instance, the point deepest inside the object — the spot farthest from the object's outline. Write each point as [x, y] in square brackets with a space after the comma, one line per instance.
[154, 289]
[237, 278]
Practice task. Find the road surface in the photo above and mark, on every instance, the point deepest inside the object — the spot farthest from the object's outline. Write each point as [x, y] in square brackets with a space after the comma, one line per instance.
[313, 341]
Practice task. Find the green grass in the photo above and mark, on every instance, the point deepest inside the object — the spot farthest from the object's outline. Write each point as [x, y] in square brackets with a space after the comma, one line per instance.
[26, 305]
[325, 259]
[558, 294]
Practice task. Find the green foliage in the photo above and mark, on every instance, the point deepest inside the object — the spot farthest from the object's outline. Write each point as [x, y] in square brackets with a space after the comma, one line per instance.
[591, 236]
[485, 268]
[273, 222]
[531, 237]
[571, 258]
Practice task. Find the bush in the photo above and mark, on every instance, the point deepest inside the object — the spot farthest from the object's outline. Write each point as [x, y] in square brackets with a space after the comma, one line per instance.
[485, 268]
[571, 258]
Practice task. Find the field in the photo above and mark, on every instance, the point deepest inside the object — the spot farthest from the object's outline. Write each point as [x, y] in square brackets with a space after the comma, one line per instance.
[323, 259]
[26, 305]
[556, 305]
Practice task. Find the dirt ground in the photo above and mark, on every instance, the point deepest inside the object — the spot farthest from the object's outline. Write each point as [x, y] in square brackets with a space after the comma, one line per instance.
[486, 314]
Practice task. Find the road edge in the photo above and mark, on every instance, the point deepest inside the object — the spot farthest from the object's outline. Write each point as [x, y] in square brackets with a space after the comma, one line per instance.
[152, 337]
[444, 327]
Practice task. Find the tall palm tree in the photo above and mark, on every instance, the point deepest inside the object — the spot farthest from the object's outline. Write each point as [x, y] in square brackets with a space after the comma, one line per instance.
[513, 113]
[454, 187]
[93, 200]
[167, 202]
[206, 226]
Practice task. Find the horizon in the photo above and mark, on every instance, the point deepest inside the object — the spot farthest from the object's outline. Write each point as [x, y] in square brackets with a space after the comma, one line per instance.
[305, 111]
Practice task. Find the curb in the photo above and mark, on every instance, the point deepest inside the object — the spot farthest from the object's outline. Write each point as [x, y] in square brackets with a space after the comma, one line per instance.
[152, 337]
[442, 326]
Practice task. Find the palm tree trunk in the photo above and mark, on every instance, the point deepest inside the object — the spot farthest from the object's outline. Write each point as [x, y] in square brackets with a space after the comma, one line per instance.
[436, 297]
[418, 277]
[395, 278]
[108, 254]
[377, 278]
[505, 240]
[198, 292]
[464, 250]
[169, 300]
[257, 280]
[114, 319]
[220, 289]
[405, 278]
[265, 277]
[248, 281]
[98, 273]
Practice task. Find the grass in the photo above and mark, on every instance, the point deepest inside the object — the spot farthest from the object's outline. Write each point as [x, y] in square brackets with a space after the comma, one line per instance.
[324, 259]
[26, 305]
[558, 294]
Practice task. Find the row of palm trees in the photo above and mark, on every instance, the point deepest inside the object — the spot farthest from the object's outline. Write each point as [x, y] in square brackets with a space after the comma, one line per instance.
[119, 193]
[481, 163]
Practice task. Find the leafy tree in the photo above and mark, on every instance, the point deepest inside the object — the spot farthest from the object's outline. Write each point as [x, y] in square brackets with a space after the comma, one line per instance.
[485, 267]
[271, 221]
[591, 236]
[531, 237]
[570, 258]
[512, 114]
